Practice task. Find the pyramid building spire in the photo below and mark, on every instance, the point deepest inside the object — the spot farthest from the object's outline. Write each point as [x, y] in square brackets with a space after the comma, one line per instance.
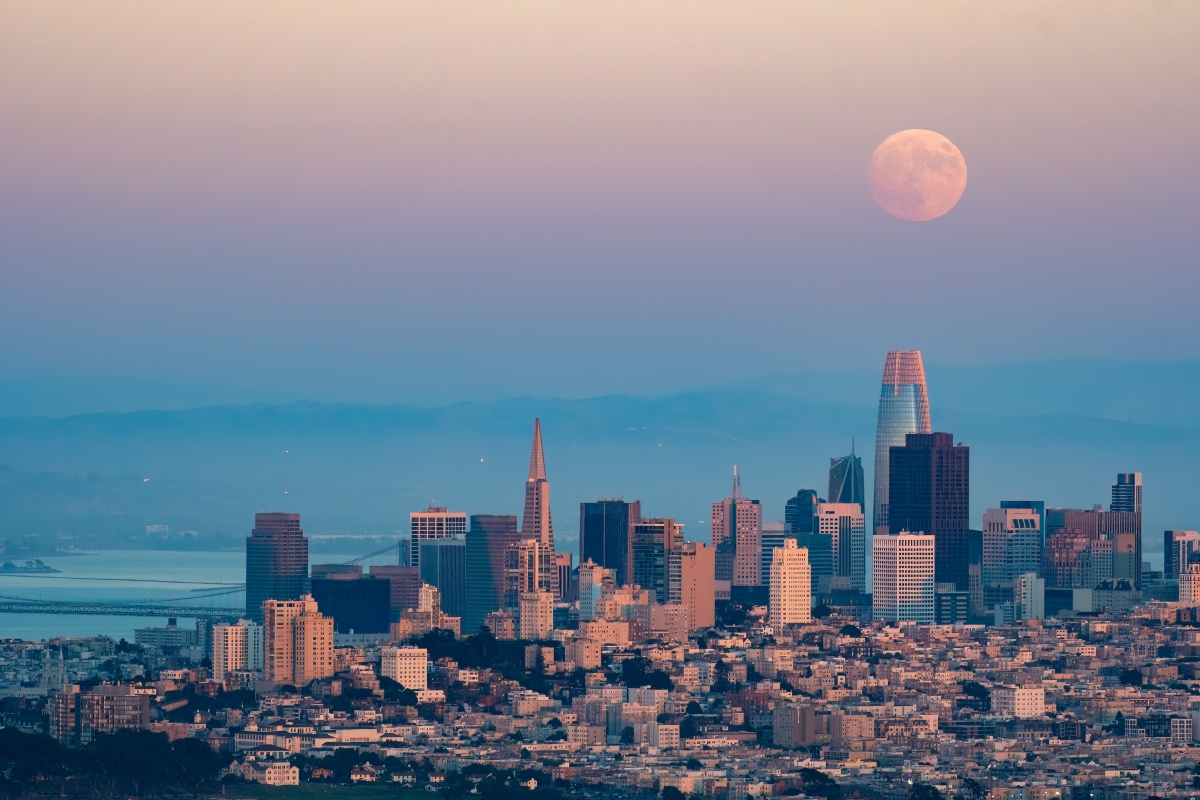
[536, 522]
[537, 459]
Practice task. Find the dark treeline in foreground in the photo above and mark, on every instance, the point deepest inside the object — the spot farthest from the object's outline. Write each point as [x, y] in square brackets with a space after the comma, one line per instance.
[125, 762]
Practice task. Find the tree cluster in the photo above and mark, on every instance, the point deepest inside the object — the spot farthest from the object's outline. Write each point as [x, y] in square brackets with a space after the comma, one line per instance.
[128, 761]
[638, 672]
[478, 651]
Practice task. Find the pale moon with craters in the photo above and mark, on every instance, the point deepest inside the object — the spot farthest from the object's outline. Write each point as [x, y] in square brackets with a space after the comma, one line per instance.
[917, 175]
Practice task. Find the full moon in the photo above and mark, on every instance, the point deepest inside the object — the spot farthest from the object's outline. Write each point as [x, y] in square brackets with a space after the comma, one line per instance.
[917, 175]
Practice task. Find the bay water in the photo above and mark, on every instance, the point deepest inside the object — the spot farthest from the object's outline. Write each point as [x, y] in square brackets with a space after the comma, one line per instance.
[123, 576]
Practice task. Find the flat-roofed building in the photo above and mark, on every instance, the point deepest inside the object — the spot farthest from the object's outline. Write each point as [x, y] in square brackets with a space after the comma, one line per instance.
[791, 586]
[276, 561]
[846, 525]
[297, 641]
[691, 579]
[1018, 701]
[654, 540]
[1012, 544]
[444, 565]
[903, 577]
[537, 615]
[408, 666]
[236, 648]
[434, 523]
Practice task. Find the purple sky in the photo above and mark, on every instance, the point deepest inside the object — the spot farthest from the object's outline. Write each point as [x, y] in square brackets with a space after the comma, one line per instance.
[428, 201]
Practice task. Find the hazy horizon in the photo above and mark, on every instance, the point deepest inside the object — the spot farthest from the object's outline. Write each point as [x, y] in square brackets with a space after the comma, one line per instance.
[358, 470]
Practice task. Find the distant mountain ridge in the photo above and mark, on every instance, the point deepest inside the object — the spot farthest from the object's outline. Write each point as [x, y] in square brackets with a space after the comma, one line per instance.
[359, 469]
[1150, 392]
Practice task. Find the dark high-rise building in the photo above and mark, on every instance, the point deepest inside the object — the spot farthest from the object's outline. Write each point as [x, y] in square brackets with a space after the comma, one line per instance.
[488, 540]
[444, 566]
[903, 409]
[435, 523]
[604, 535]
[846, 483]
[653, 542]
[321, 570]
[358, 603]
[1127, 493]
[820, 558]
[276, 562]
[723, 568]
[1180, 549]
[799, 523]
[930, 488]
[799, 512]
[950, 606]
[406, 587]
[975, 572]
[1126, 524]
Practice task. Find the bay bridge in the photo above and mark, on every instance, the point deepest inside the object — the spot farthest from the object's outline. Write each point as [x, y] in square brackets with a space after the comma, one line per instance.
[205, 603]
[216, 600]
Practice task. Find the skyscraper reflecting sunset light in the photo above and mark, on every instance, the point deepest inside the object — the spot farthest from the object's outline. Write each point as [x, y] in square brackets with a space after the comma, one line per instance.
[903, 409]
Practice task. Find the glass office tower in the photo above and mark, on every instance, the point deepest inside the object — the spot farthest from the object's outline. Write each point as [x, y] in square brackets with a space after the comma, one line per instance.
[846, 483]
[486, 555]
[799, 511]
[276, 561]
[604, 535]
[903, 409]
[930, 484]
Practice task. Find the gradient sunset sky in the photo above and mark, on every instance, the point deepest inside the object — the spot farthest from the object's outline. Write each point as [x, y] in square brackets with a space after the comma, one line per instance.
[432, 201]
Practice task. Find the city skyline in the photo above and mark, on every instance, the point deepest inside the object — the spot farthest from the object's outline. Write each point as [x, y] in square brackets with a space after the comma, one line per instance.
[999, 572]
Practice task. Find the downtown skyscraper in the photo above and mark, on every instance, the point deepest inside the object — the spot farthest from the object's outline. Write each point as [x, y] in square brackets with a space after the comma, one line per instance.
[930, 483]
[653, 542]
[487, 544]
[902, 577]
[276, 561]
[435, 523]
[791, 586]
[605, 529]
[903, 409]
[737, 537]
[536, 524]
[846, 484]
[1125, 517]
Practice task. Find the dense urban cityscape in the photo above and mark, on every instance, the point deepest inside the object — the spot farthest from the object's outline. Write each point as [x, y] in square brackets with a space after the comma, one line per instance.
[1035, 657]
